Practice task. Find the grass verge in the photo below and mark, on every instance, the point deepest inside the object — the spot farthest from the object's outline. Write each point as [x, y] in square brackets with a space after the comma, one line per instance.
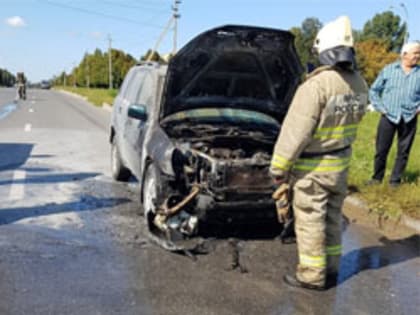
[382, 198]
[95, 96]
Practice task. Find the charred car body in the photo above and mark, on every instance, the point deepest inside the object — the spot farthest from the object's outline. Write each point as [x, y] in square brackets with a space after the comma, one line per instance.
[198, 133]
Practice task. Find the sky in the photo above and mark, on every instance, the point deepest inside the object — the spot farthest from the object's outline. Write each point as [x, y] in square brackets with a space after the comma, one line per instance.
[45, 37]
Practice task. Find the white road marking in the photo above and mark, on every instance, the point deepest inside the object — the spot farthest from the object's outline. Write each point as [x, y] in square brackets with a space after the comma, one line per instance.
[17, 190]
[31, 110]
[28, 127]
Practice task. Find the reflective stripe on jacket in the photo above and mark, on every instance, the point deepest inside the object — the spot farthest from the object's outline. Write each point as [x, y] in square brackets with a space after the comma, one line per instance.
[322, 118]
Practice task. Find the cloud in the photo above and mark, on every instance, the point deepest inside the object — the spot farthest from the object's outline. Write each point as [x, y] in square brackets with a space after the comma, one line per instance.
[15, 21]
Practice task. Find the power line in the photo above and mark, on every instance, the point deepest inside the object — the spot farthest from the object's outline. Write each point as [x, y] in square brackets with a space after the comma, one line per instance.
[173, 20]
[101, 14]
[158, 14]
[154, 2]
[131, 6]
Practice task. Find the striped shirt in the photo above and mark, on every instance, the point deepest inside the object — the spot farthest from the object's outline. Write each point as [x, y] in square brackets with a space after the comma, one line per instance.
[395, 93]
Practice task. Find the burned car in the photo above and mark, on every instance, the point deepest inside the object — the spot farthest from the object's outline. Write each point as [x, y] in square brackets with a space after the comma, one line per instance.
[198, 133]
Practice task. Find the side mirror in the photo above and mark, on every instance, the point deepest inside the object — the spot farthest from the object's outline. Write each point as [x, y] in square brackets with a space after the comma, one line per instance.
[137, 112]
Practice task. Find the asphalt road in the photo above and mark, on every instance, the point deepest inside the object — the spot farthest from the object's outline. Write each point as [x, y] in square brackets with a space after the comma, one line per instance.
[72, 241]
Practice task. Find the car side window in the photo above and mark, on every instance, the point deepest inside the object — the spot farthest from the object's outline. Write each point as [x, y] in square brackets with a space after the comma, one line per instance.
[127, 79]
[134, 86]
[145, 95]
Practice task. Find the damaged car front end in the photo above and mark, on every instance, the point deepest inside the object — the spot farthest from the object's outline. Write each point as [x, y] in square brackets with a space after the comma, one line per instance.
[217, 171]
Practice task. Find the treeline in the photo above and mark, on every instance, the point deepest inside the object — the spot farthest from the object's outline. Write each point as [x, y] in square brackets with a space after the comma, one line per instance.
[6, 78]
[93, 70]
[377, 44]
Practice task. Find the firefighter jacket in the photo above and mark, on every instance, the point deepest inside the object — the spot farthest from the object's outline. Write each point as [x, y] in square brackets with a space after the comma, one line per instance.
[20, 78]
[322, 120]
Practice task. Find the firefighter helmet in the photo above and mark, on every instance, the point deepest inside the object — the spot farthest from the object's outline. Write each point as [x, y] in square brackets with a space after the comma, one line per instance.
[334, 34]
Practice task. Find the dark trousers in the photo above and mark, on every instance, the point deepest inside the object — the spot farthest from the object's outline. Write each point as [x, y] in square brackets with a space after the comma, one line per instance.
[384, 137]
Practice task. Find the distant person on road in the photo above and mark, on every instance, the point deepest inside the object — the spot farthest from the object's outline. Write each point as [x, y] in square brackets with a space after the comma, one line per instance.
[396, 94]
[21, 86]
[313, 153]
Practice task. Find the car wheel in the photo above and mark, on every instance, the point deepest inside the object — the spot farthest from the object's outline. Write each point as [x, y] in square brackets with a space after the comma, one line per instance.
[118, 170]
[151, 194]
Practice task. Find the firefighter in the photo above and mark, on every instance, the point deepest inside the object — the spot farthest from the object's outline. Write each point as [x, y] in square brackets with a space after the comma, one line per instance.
[21, 86]
[313, 150]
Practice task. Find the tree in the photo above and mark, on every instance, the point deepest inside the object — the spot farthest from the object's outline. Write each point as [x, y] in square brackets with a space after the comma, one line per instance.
[121, 63]
[93, 69]
[386, 27]
[372, 55]
[152, 55]
[61, 79]
[6, 78]
[304, 39]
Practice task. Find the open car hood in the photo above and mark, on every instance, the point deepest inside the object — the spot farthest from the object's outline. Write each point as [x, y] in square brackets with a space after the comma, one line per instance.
[234, 66]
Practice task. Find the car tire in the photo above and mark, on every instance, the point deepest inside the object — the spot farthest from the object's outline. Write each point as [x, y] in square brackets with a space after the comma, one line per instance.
[118, 170]
[151, 193]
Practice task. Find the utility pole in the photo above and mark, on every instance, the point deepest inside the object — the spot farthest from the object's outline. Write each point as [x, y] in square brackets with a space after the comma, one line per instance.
[110, 61]
[162, 35]
[87, 75]
[406, 22]
[173, 19]
[404, 8]
[74, 74]
[175, 16]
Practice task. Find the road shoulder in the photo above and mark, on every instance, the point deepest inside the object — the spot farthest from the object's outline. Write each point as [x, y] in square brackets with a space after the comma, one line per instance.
[358, 212]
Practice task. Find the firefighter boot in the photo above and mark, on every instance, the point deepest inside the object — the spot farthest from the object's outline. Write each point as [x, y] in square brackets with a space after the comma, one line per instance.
[291, 280]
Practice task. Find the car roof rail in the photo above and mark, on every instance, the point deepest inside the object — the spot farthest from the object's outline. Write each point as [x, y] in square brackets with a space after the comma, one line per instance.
[149, 63]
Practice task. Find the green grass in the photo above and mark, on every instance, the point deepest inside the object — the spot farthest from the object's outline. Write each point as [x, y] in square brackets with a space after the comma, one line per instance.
[383, 199]
[95, 96]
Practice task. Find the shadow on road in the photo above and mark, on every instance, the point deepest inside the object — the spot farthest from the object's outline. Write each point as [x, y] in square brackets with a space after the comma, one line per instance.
[242, 224]
[376, 257]
[85, 203]
[13, 155]
[50, 179]
[36, 169]
[41, 156]
[245, 231]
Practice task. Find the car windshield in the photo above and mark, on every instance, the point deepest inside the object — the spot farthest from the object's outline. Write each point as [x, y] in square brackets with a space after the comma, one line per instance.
[223, 116]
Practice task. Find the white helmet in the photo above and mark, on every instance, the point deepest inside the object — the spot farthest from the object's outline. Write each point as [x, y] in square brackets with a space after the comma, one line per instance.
[334, 34]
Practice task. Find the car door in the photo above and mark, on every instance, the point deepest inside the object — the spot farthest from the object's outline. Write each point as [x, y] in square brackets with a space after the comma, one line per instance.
[119, 112]
[146, 98]
[134, 128]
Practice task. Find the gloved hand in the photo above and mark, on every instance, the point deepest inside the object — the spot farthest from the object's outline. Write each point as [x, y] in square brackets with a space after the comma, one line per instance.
[278, 177]
[278, 180]
[281, 197]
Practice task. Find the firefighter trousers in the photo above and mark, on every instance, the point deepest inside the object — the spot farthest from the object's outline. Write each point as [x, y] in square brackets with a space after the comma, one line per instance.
[317, 203]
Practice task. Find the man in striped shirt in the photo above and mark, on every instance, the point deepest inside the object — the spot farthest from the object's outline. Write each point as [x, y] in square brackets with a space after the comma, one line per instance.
[396, 94]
